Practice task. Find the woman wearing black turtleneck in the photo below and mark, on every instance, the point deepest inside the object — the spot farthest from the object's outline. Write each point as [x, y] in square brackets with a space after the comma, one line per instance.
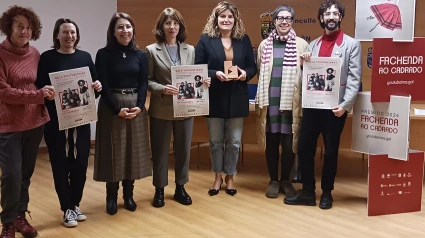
[122, 143]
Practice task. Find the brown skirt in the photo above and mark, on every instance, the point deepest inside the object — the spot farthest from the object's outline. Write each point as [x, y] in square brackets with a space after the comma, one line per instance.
[122, 145]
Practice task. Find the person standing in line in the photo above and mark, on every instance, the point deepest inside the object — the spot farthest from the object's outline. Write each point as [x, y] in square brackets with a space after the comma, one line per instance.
[223, 39]
[278, 100]
[170, 50]
[333, 43]
[69, 149]
[122, 140]
[22, 116]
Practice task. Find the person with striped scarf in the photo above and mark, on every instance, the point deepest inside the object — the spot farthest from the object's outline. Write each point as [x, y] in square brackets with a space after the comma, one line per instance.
[278, 99]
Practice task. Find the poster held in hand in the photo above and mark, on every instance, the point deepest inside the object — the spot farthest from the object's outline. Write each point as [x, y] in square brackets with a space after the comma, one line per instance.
[74, 99]
[193, 95]
[321, 82]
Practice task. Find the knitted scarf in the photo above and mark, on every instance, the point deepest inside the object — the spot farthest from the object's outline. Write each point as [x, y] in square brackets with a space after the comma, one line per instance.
[289, 71]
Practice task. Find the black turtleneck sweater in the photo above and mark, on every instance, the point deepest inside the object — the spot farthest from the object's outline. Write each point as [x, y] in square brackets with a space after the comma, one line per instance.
[53, 61]
[116, 72]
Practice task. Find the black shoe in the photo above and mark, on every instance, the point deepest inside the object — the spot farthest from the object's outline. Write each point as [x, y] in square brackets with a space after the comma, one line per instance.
[129, 203]
[158, 199]
[181, 195]
[231, 192]
[326, 200]
[301, 198]
[213, 191]
[111, 198]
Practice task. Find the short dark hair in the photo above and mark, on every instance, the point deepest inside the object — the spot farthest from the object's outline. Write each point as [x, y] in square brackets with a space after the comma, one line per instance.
[281, 9]
[7, 18]
[111, 39]
[163, 17]
[325, 6]
[59, 22]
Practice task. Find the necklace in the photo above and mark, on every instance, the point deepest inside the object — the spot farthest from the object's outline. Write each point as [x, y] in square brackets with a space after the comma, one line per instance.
[123, 54]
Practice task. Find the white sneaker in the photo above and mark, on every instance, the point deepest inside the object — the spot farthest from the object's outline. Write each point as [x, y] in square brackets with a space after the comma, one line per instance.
[80, 215]
[70, 218]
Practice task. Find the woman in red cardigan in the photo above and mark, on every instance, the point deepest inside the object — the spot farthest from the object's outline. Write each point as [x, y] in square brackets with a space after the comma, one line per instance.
[22, 116]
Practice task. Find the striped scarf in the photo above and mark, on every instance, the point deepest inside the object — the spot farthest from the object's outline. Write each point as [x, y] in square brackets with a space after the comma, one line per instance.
[289, 71]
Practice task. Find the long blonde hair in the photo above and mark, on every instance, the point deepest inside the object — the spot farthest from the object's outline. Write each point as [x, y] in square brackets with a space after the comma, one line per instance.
[211, 27]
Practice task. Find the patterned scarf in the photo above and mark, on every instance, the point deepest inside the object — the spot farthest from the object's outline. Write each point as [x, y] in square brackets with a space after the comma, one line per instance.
[289, 71]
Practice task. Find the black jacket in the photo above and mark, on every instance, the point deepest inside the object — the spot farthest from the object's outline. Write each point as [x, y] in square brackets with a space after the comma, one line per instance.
[227, 99]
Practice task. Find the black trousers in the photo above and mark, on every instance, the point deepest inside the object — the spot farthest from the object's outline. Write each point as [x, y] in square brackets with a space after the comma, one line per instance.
[69, 152]
[273, 142]
[18, 153]
[314, 122]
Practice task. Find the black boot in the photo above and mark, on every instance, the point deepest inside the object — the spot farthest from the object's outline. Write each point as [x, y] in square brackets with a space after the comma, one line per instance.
[111, 197]
[181, 195]
[128, 186]
[158, 199]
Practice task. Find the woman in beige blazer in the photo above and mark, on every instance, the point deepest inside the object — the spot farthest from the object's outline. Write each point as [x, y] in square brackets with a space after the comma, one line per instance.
[170, 50]
[278, 101]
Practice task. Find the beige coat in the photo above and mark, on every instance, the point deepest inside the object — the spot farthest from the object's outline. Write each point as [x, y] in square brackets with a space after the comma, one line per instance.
[302, 46]
[161, 106]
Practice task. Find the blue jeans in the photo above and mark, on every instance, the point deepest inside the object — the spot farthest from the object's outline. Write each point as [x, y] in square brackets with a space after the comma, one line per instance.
[225, 141]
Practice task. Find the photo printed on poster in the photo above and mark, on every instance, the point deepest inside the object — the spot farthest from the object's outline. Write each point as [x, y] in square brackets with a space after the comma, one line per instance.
[321, 82]
[385, 19]
[75, 99]
[192, 98]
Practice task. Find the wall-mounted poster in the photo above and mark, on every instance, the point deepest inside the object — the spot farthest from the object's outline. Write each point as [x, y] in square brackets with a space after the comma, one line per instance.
[385, 19]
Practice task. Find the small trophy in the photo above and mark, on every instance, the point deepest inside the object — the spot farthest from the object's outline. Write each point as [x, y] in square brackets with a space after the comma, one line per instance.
[230, 70]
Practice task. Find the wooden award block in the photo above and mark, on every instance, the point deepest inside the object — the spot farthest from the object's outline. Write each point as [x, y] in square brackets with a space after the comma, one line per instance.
[230, 70]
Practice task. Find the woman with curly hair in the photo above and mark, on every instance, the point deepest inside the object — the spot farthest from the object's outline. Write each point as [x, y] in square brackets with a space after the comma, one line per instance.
[223, 40]
[22, 116]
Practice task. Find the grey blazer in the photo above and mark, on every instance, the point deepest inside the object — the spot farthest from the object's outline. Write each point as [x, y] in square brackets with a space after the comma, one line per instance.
[351, 69]
[161, 106]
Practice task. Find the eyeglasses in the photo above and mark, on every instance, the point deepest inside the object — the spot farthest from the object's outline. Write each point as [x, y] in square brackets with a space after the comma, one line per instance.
[328, 14]
[21, 27]
[287, 19]
[121, 28]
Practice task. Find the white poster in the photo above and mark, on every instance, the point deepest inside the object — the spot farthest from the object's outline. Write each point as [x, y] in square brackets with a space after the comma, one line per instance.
[321, 82]
[193, 97]
[75, 99]
[385, 19]
[381, 128]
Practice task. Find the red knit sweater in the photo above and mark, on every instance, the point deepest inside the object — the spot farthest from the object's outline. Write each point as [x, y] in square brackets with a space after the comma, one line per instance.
[329, 41]
[21, 103]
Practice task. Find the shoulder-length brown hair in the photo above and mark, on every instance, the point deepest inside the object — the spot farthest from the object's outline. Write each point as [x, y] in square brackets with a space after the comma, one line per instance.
[111, 40]
[163, 17]
[211, 28]
[56, 29]
[7, 18]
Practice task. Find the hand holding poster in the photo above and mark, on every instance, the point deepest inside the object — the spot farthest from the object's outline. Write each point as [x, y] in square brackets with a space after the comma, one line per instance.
[75, 100]
[321, 83]
[381, 128]
[192, 98]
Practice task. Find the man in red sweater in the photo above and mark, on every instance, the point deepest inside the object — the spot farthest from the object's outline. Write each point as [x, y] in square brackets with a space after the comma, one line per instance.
[333, 43]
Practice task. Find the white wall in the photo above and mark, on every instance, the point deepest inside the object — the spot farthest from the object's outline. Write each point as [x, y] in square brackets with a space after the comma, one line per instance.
[91, 16]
